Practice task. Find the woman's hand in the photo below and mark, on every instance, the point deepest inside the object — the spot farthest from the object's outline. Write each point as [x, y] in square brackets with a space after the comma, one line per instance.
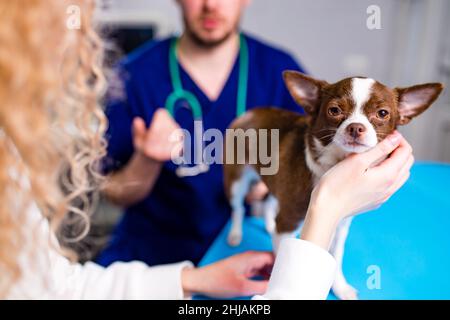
[229, 277]
[357, 184]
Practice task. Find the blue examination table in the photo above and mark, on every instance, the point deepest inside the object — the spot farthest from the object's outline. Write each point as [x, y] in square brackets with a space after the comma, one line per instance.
[406, 241]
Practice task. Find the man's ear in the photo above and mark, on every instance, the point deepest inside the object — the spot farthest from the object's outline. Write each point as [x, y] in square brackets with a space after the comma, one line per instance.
[304, 89]
[414, 100]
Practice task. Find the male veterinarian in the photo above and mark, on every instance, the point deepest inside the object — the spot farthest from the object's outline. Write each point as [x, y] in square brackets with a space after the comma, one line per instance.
[209, 75]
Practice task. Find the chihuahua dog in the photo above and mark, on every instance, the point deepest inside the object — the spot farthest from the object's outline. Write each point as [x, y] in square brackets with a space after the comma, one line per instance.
[349, 116]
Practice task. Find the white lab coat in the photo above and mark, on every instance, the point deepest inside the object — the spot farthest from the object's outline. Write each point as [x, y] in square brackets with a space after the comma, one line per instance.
[47, 274]
[302, 271]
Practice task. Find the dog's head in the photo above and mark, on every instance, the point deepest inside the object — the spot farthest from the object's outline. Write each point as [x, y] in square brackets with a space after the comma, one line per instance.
[356, 113]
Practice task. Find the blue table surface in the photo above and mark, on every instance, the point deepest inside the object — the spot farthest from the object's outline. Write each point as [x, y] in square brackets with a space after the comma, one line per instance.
[408, 238]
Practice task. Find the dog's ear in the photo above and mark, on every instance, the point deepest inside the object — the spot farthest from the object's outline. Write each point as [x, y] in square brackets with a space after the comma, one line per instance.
[414, 100]
[305, 90]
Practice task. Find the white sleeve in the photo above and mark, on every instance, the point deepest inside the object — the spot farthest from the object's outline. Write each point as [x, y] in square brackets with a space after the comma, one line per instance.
[121, 280]
[46, 274]
[302, 271]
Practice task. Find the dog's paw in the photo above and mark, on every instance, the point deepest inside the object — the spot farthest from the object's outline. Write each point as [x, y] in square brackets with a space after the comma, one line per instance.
[257, 208]
[345, 292]
[234, 238]
[270, 226]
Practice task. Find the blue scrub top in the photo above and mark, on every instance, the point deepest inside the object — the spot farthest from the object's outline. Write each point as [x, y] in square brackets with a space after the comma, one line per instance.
[181, 217]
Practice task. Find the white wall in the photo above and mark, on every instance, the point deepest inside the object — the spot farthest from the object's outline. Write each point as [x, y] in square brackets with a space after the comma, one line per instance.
[316, 32]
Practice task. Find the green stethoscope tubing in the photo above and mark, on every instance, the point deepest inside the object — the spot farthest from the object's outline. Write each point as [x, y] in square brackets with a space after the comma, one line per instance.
[179, 93]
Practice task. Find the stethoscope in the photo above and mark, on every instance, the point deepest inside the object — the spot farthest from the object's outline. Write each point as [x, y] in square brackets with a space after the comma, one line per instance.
[179, 93]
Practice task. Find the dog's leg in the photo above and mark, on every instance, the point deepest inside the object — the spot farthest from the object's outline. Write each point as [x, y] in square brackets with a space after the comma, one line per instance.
[270, 213]
[257, 208]
[341, 288]
[286, 227]
[278, 237]
[239, 190]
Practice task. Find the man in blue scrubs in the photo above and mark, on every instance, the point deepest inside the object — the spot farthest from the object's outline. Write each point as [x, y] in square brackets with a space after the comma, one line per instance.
[170, 218]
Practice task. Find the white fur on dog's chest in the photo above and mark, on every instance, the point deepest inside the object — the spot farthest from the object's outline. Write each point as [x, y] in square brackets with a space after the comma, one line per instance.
[329, 156]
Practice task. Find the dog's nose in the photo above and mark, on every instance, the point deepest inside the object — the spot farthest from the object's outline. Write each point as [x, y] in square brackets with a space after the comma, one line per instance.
[356, 130]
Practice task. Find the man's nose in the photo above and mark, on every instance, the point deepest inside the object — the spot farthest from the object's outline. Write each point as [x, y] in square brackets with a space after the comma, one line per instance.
[356, 130]
[210, 4]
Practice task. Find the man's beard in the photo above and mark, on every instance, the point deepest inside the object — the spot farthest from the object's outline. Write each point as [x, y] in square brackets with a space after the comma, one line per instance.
[206, 43]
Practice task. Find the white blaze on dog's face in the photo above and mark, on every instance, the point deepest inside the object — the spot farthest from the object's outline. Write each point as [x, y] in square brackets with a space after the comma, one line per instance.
[354, 114]
[356, 133]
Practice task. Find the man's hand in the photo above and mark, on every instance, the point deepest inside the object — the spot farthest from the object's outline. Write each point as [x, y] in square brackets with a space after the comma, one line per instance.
[161, 140]
[153, 146]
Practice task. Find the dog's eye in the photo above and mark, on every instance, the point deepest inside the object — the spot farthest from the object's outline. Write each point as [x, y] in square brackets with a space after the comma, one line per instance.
[382, 114]
[334, 111]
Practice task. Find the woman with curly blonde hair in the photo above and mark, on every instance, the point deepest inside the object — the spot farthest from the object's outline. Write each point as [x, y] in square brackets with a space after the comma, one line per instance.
[51, 140]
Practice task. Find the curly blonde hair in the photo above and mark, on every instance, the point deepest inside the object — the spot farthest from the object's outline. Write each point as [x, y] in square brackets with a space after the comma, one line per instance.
[51, 124]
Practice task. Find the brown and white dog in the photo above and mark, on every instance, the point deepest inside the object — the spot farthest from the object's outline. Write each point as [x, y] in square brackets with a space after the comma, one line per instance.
[349, 116]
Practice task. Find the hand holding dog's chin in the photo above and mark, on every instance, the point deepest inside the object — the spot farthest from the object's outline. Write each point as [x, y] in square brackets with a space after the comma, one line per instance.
[356, 185]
